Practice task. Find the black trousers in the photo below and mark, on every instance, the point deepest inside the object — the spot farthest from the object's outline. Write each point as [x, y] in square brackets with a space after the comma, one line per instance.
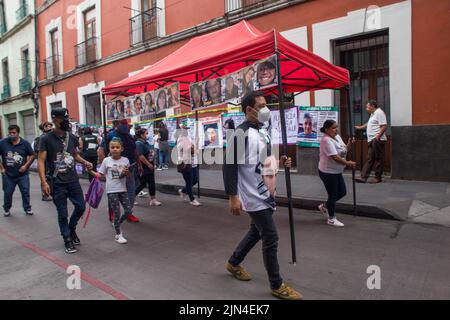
[147, 179]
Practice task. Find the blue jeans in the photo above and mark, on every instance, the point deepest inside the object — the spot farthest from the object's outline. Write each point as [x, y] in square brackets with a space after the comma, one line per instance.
[336, 189]
[73, 192]
[191, 179]
[9, 186]
[131, 186]
[163, 158]
[262, 228]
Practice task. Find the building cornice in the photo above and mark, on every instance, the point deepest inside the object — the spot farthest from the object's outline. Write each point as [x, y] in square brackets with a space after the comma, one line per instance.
[22, 24]
[210, 26]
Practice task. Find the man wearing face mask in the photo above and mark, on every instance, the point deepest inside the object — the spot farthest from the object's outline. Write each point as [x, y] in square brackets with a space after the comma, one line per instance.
[243, 172]
[58, 152]
[17, 157]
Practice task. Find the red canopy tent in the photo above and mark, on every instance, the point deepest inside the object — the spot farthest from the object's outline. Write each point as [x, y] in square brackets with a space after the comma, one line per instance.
[231, 49]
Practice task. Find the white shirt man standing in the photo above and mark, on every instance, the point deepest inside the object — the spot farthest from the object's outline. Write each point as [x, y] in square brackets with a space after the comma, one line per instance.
[376, 137]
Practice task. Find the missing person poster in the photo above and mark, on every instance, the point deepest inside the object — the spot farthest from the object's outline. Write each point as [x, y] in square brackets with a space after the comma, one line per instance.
[210, 133]
[274, 127]
[191, 126]
[230, 121]
[310, 120]
[232, 87]
[171, 124]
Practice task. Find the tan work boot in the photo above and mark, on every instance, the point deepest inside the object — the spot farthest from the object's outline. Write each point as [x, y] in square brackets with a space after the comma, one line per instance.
[239, 272]
[286, 293]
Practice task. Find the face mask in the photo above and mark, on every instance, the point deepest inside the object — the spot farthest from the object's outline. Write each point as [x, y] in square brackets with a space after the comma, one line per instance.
[264, 115]
[13, 138]
[65, 125]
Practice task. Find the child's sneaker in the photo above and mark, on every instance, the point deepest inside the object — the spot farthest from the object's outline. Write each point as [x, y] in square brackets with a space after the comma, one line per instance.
[120, 239]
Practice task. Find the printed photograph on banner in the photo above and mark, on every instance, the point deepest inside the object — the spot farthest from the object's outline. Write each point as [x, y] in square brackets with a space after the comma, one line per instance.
[266, 73]
[310, 120]
[149, 102]
[308, 125]
[171, 125]
[231, 121]
[138, 105]
[161, 100]
[212, 92]
[173, 93]
[211, 133]
[248, 80]
[111, 110]
[196, 94]
[129, 108]
[120, 109]
[232, 87]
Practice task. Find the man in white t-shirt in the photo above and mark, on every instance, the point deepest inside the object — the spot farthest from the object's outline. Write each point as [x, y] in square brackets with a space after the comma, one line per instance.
[376, 136]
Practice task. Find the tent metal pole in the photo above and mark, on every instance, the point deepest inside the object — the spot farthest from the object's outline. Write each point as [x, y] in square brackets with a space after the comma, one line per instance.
[285, 152]
[351, 134]
[104, 117]
[197, 143]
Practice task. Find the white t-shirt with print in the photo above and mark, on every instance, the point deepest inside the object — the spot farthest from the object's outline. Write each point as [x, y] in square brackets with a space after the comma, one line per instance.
[332, 147]
[113, 169]
[377, 119]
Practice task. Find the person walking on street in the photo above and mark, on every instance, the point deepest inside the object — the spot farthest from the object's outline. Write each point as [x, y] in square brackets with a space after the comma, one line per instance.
[244, 184]
[376, 137]
[188, 166]
[146, 157]
[89, 144]
[45, 128]
[58, 152]
[156, 146]
[164, 148]
[116, 169]
[17, 157]
[333, 154]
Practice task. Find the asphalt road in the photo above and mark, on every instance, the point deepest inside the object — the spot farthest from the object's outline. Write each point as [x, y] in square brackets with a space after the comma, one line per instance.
[179, 252]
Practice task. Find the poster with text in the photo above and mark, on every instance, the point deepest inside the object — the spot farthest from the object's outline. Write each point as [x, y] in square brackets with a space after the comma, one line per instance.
[310, 120]
[171, 124]
[274, 127]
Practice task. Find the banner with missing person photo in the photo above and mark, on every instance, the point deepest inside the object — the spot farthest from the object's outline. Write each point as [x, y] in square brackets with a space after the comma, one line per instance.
[310, 120]
[145, 106]
[232, 87]
[210, 133]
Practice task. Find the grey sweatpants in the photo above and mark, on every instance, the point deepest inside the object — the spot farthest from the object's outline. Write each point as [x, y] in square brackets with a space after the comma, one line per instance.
[114, 201]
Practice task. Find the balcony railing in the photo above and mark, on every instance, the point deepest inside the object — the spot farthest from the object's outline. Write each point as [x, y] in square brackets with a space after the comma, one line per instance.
[241, 5]
[86, 52]
[52, 67]
[6, 92]
[144, 26]
[22, 12]
[25, 84]
[3, 28]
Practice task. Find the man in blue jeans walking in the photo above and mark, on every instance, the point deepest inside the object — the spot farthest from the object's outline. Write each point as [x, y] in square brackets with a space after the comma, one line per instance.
[17, 157]
[58, 151]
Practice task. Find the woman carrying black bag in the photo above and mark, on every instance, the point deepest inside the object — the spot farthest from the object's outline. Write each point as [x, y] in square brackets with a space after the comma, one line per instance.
[187, 166]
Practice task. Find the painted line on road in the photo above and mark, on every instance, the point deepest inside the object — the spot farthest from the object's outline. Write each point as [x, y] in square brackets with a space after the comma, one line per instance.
[61, 263]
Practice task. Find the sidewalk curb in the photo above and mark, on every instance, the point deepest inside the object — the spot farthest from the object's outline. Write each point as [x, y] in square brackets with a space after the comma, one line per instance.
[363, 210]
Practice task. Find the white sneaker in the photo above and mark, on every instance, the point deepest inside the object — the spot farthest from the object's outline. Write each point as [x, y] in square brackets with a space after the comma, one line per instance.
[120, 239]
[195, 203]
[136, 203]
[155, 203]
[324, 210]
[29, 212]
[335, 223]
[159, 169]
[7, 213]
[183, 195]
[143, 194]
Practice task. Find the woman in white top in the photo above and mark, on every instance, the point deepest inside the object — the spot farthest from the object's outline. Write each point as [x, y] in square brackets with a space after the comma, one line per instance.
[187, 166]
[333, 153]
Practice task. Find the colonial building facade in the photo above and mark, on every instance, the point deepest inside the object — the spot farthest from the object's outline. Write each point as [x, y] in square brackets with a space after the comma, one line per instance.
[396, 51]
